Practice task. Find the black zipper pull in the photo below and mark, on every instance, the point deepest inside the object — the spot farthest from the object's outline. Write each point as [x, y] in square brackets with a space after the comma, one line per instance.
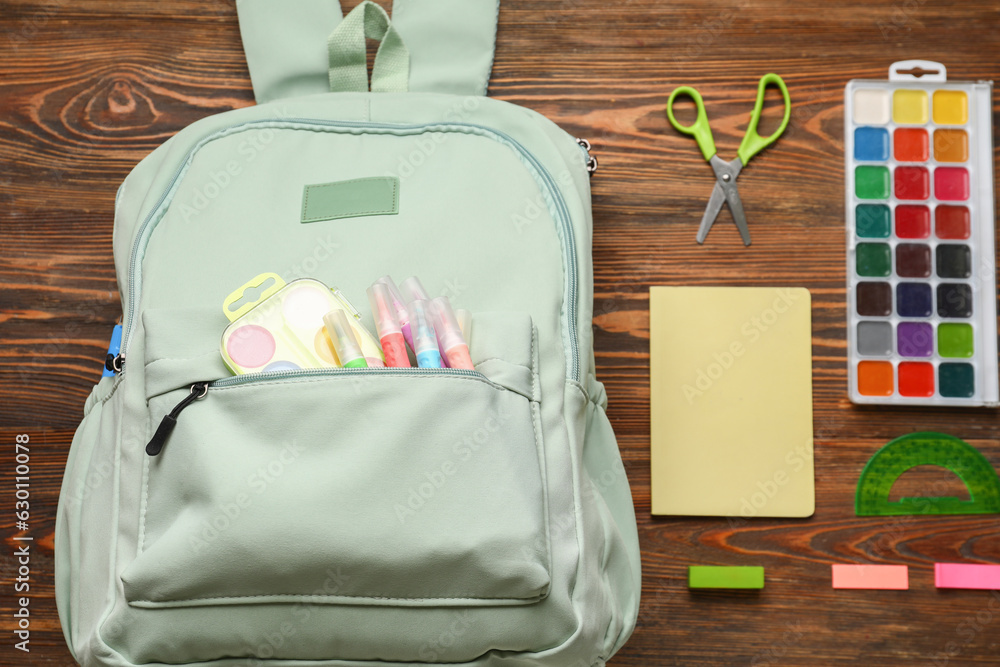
[591, 159]
[115, 362]
[198, 391]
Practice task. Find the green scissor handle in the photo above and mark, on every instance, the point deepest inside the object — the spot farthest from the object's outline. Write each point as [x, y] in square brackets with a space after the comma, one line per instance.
[699, 129]
[752, 142]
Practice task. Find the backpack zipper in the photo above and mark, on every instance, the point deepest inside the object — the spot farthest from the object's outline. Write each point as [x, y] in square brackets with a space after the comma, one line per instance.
[115, 362]
[566, 237]
[200, 389]
[591, 159]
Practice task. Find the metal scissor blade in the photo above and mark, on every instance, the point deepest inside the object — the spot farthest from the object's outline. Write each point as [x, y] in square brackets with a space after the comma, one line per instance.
[711, 212]
[725, 190]
[736, 206]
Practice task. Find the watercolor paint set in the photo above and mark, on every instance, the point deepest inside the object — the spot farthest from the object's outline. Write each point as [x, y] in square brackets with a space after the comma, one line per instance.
[921, 274]
[284, 329]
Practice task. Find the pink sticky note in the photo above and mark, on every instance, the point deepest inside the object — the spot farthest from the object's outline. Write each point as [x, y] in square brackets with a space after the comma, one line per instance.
[882, 577]
[967, 575]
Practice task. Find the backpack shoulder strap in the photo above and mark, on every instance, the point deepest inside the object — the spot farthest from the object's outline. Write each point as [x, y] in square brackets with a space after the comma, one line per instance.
[289, 52]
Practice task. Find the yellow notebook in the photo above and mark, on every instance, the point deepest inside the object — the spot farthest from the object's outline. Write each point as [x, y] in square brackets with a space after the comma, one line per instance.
[731, 401]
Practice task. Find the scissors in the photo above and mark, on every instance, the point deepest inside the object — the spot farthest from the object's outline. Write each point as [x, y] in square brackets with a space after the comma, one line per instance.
[725, 189]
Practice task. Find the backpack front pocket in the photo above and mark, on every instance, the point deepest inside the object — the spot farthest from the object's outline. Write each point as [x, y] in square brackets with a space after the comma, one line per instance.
[401, 487]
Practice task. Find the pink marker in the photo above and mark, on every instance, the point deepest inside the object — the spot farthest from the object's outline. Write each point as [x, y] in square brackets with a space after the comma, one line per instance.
[414, 291]
[399, 305]
[390, 334]
[450, 338]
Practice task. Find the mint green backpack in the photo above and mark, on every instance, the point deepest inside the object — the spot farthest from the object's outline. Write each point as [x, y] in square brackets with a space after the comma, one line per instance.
[354, 516]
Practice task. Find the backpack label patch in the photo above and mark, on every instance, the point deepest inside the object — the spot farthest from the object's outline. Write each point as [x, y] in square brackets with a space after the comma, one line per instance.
[378, 195]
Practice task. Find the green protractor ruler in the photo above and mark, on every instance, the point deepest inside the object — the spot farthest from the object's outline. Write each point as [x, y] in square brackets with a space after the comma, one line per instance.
[927, 448]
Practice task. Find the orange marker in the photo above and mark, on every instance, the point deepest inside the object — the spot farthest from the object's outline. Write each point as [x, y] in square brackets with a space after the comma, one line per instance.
[450, 337]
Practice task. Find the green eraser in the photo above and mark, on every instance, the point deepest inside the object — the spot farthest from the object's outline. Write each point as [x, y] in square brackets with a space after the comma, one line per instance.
[712, 576]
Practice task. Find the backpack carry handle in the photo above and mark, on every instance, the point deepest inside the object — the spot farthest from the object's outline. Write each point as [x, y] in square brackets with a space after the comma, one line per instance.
[285, 45]
[451, 43]
[449, 46]
[348, 53]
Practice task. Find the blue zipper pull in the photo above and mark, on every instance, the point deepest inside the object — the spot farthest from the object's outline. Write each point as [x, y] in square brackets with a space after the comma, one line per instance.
[198, 391]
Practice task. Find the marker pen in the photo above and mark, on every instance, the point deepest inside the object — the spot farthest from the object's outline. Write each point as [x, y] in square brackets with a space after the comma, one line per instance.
[344, 343]
[414, 289]
[425, 345]
[399, 305]
[369, 344]
[464, 318]
[387, 327]
[450, 338]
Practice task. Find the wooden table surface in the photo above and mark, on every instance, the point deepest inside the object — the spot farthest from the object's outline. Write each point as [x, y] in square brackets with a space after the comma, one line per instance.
[87, 88]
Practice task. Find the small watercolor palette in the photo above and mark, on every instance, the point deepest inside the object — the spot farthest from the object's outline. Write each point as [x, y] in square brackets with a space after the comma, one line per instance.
[921, 273]
[282, 329]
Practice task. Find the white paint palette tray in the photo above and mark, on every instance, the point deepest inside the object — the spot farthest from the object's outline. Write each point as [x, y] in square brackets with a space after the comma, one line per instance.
[921, 254]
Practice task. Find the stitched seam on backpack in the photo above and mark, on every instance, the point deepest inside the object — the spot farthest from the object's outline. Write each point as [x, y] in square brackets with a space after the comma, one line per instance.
[580, 388]
[536, 387]
[509, 363]
[212, 354]
[111, 392]
[543, 476]
[415, 376]
[143, 506]
[326, 597]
